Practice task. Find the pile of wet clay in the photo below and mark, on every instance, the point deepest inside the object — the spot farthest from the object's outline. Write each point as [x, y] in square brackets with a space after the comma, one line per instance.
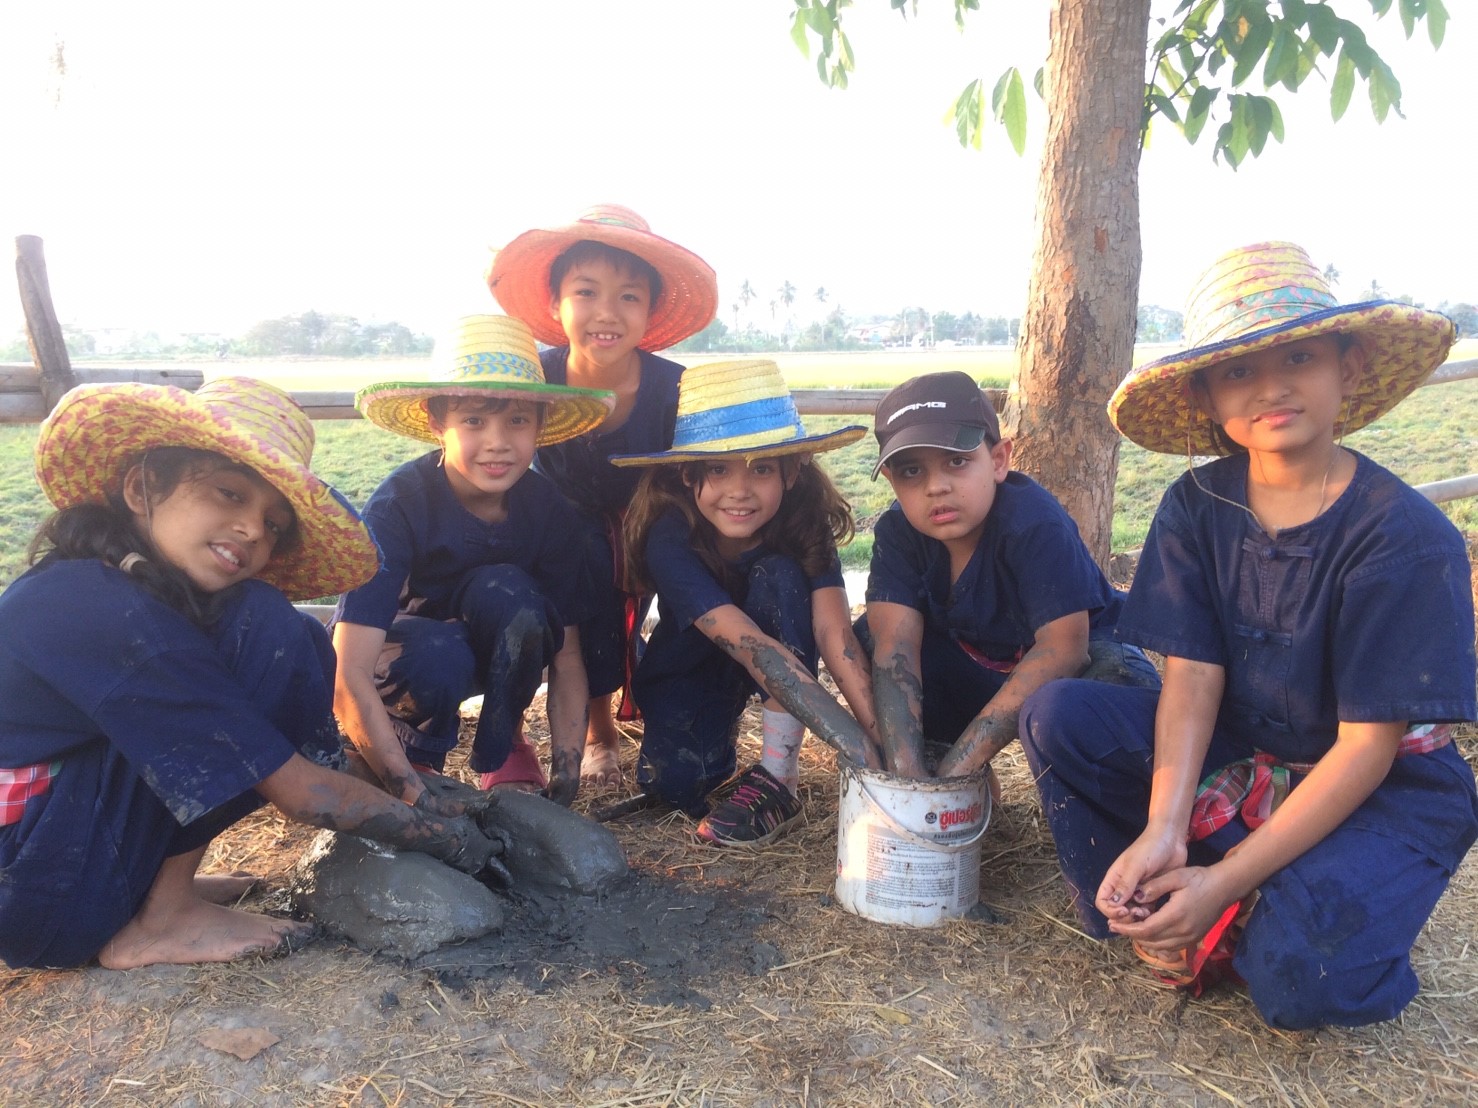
[410, 904]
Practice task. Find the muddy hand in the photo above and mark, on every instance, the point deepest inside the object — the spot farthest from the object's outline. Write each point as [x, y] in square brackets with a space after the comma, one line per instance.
[446, 796]
[562, 789]
[478, 855]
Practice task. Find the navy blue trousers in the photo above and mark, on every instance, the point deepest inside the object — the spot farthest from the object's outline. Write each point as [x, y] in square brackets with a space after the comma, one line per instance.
[1330, 939]
[504, 635]
[78, 865]
[692, 694]
[603, 636]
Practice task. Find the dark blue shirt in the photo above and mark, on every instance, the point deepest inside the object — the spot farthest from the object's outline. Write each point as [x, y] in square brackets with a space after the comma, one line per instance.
[1364, 614]
[86, 656]
[579, 467]
[428, 542]
[1029, 568]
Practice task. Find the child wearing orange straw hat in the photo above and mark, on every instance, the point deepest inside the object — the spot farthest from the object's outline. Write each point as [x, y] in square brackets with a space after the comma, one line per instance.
[156, 684]
[736, 529]
[606, 293]
[480, 586]
[1289, 809]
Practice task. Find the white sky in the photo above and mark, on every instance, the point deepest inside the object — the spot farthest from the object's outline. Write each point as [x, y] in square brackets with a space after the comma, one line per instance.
[203, 166]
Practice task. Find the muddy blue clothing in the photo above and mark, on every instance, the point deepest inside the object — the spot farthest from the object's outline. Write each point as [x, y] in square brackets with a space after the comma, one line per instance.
[467, 606]
[1030, 567]
[162, 731]
[1362, 615]
[692, 693]
[600, 492]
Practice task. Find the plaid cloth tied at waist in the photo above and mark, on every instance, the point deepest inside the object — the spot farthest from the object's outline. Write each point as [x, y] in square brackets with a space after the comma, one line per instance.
[1254, 787]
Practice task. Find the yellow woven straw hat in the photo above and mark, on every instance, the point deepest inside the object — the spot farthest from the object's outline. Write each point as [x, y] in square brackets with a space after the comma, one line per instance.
[1261, 296]
[738, 409]
[687, 302]
[491, 357]
[97, 433]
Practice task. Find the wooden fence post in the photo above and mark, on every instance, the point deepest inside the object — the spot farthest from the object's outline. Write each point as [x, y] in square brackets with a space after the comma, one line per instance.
[43, 332]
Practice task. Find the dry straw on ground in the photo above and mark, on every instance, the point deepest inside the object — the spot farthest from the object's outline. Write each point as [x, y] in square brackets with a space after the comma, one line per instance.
[793, 1002]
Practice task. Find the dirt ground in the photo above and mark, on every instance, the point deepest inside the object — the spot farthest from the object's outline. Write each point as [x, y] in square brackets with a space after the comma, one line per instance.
[715, 978]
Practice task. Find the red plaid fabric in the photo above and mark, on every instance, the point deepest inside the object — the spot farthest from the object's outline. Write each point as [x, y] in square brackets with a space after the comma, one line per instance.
[18, 786]
[989, 663]
[1256, 786]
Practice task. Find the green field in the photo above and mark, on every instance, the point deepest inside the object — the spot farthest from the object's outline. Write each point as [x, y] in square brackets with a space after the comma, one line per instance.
[1429, 437]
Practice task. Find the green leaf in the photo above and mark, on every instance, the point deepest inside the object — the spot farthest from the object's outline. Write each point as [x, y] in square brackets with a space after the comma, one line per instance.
[1165, 106]
[1436, 22]
[1275, 126]
[1408, 10]
[798, 34]
[1249, 50]
[844, 52]
[1259, 123]
[1199, 111]
[1324, 29]
[1283, 55]
[1380, 7]
[1039, 81]
[966, 115]
[1342, 87]
[1008, 104]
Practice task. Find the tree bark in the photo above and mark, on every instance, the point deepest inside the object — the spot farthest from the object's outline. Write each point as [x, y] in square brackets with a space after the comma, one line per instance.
[1077, 336]
[43, 332]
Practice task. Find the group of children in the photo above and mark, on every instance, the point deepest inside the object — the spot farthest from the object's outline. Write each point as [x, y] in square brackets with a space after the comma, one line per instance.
[1313, 614]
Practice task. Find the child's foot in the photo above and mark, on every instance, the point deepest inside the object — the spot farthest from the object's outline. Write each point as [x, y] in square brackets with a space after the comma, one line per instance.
[521, 771]
[196, 932]
[224, 888]
[601, 764]
[758, 811]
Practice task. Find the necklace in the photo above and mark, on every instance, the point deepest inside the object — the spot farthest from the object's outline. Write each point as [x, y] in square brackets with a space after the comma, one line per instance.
[1272, 532]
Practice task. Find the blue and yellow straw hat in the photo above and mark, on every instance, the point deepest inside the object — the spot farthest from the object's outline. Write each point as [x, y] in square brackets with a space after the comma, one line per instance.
[738, 409]
[1266, 295]
[491, 357]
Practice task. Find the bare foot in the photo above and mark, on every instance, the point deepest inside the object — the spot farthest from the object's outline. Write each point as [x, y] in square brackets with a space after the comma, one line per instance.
[193, 932]
[224, 888]
[600, 765]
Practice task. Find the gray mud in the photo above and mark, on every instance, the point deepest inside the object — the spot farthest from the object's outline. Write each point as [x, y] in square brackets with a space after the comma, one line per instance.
[552, 849]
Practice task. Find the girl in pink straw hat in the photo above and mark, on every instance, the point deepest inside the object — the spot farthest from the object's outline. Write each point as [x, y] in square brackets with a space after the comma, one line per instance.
[736, 530]
[1289, 809]
[156, 684]
[606, 293]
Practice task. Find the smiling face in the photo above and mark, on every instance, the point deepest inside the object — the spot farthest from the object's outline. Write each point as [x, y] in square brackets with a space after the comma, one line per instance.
[947, 494]
[738, 500]
[219, 524]
[1286, 399]
[487, 446]
[603, 308]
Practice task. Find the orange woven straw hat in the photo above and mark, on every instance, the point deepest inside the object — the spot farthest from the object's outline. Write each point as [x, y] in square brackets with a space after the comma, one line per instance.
[491, 357]
[737, 409]
[1261, 296]
[687, 303]
[97, 432]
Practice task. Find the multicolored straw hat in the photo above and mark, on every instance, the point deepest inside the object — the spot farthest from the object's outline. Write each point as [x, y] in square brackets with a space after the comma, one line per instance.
[492, 357]
[96, 433]
[741, 409]
[687, 302]
[1261, 296]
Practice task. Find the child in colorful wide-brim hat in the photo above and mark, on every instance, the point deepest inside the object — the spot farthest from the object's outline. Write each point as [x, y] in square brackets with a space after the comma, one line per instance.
[480, 586]
[607, 294]
[736, 528]
[156, 685]
[1307, 806]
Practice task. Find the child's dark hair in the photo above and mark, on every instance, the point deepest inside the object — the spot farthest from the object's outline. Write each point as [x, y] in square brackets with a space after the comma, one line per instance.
[439, 407]
[588, 250]
[1223, 443]
[110, 533]
[812, 521]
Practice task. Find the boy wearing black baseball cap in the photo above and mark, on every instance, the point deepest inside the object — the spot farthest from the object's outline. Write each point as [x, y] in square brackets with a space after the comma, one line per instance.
[980, 591]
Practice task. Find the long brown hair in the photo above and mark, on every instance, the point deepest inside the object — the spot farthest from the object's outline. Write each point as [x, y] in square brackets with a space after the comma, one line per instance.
[812, 521]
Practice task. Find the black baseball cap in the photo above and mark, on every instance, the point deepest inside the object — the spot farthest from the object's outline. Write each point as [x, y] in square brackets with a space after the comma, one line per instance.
[946, 411]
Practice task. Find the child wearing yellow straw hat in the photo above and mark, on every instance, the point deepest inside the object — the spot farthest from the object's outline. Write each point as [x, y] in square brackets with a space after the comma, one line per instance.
[156, 684]
[1289, 809]
[736, 529]
[606, 293]
[480, 585]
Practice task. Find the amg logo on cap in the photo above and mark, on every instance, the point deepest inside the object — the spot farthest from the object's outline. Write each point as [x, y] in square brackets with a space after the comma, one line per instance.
[921, 404]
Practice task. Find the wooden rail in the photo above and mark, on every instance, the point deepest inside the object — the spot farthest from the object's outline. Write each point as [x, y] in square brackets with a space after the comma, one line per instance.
[21, 402]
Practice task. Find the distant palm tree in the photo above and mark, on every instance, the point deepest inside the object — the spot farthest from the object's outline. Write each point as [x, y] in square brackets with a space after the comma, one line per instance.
[787, 294]
[1331, 275]
[821, 295]
[772, 313]
[736, 317]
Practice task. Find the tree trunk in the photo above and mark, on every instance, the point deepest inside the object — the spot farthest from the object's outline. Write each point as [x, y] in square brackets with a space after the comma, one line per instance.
[1077, 336]
[43, 332]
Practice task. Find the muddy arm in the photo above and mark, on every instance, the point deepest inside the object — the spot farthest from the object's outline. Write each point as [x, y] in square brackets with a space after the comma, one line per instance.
[847, 662]
[362, 715]
[897, 685]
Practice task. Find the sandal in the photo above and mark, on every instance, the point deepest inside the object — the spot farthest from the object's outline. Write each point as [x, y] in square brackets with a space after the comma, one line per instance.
[1196, 968]
[521, 770]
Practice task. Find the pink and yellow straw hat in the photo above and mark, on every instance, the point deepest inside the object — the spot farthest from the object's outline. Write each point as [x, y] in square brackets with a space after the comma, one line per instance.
[491, 357]
[96, 433]
[687, 302]
[1266, 295]
[738, 409]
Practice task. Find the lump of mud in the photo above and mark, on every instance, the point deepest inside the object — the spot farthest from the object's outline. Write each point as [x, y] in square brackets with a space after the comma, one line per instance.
[550, 848]
[407, 904]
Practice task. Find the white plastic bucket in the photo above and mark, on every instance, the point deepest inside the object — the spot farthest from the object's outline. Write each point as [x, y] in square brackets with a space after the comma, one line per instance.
[908, 852]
